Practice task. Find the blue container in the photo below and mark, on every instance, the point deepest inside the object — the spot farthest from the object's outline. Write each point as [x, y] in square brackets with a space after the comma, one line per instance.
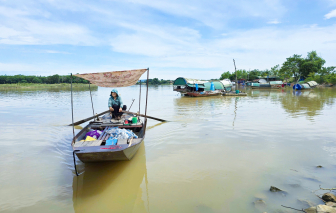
[212, 86]
[113, 141]
[297, 87]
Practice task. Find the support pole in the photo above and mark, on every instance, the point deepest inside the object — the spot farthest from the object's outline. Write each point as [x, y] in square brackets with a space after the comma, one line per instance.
[91, 99]
[72, 114]
[140, 97]
[234, 62]
[146, 97]
[73, 128]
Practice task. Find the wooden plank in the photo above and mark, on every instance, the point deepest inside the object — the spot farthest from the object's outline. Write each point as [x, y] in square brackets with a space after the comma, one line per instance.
[88, 143]
[122, 141]
[78, 144]
[95, 143]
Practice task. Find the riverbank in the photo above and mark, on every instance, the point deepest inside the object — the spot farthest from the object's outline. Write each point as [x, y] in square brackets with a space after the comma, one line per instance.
[44, 86]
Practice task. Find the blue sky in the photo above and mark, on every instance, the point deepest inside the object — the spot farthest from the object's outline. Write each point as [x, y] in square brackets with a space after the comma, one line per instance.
[196, 39]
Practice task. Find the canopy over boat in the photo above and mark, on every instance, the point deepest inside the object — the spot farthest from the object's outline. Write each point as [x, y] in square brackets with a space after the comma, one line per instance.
[184, 81]
[312, 83]
[276, 82]
[114, 78]
[217, 84]
[226, 82]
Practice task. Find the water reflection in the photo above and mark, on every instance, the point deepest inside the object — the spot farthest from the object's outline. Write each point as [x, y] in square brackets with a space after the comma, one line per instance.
[310, 102]
[113, 186]
[196, 162]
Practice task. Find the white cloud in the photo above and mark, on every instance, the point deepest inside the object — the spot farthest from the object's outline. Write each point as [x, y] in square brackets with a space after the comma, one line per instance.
[332, 14]
[274, 21]
[215, 14]
[169, 54]
[179, 35]
[259, 48]
[31, 32]
[55, 52]
[20, 26]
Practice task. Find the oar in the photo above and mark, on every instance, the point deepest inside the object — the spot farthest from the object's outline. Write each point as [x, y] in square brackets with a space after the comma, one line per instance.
[89, 118]
[158, 119]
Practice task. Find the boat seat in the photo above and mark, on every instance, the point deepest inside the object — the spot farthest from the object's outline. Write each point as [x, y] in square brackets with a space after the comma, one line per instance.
[88, 143]
[124, 141]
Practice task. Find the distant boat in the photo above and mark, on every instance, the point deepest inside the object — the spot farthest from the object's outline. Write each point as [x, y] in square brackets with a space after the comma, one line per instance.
[204, 94]
[188, 85]
[267, 85]
[184, 85]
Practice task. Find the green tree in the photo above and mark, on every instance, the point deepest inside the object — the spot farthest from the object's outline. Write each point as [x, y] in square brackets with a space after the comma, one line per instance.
[37, 80]
[291, 67]
[275, 70]
[225, 75]
[155, 81]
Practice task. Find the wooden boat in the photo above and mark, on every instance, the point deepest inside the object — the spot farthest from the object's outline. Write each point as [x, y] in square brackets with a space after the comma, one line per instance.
[125, 149]
[187, 85]
[95, 151]
[204, 94]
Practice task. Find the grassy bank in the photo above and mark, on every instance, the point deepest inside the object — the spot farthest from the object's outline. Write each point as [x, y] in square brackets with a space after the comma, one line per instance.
[43, 86]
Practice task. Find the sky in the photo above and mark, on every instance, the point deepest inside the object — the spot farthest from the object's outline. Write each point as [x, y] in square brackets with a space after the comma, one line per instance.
[174, 38]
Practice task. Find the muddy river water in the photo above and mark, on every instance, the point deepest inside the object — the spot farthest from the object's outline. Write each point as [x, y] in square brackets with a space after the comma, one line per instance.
[217, 154]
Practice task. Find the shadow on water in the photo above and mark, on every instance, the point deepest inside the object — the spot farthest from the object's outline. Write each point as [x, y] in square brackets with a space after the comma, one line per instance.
[113, 186]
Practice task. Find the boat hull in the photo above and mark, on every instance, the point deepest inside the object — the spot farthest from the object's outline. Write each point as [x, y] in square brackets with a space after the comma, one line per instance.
[107, 153]
[123, 151]
[196, 94]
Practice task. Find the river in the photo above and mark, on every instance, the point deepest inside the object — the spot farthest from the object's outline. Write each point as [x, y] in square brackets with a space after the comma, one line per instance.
[216, 154]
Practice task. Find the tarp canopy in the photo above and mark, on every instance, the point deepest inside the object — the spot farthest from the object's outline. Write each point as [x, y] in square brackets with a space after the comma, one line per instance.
[275, 82]
[194, 85]
[226, 83]
[114, 78]
[184, 81]
[218, 85]
[305, 86]
[312, 83]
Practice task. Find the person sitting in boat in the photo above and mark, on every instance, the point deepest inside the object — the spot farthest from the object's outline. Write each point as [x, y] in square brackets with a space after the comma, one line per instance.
[115, 104]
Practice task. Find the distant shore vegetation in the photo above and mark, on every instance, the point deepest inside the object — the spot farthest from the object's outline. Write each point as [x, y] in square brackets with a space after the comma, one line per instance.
[29, 79]
[156, 81]
[46, 86]
[310, 68]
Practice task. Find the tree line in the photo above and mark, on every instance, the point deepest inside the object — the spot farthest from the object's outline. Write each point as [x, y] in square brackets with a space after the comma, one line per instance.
[54, 79]
[155, 81]
[310, 68]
